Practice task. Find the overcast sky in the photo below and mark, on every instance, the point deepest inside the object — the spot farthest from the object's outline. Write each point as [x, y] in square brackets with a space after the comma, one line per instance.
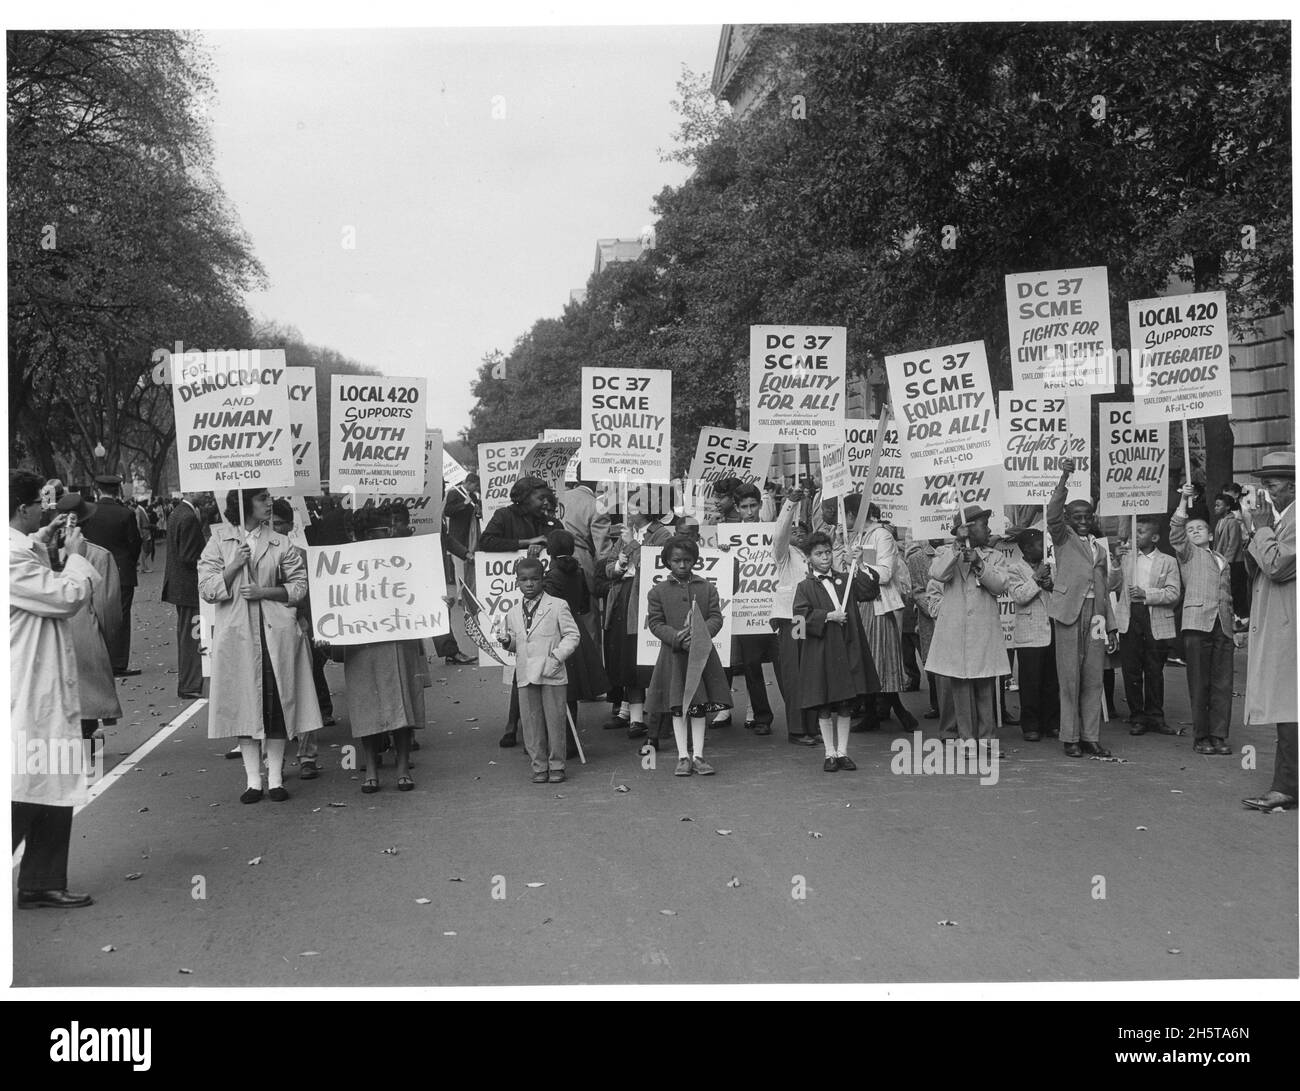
[467, 228]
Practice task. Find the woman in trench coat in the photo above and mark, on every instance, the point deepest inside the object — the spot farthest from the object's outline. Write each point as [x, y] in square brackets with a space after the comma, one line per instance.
[262, 688]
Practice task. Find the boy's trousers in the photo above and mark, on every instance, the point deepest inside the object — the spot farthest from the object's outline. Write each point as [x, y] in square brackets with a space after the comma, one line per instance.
[541, 715]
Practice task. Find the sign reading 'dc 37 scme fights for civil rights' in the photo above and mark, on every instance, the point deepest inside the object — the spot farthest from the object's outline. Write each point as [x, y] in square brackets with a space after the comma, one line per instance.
[754, 593]
[1179, 346]
[1036, 435]
[304, 427]
[377, 434]
[887, 491]
[945, 404]
[233, 420]
[933, 499]
[1134, 462]
[723, 452]
[425, 506]
[370, 592]
[797, 389]
[1059, 326]
[626, 424]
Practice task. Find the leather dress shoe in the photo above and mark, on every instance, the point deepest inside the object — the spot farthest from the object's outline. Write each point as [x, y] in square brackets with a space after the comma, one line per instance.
[278, 794]
[190, 696]
[1164, 729]
[1138, 728]
[129, 672]
[1203, 746]
[1072, 750]
[1033, 736]
[932, 714]
[508, 740]
[801, 740]
[636, 730]
[460, 659]
[762, 729]
[1221, 746]
[1267, 802]
[308, 771]
[846, 762]
[52, 899]
[831, 765]
[1008, 720]
[1095, 749]
[251, 795]
[614, 723]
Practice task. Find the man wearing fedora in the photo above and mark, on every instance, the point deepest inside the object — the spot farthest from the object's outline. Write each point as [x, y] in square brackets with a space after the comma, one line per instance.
[966, 651]
[1271, 663]
[1079, 607]
[113, 525]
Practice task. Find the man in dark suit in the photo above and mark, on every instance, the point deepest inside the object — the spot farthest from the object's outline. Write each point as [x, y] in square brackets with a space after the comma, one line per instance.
[462, 513]
[187, 534]
[113, 525]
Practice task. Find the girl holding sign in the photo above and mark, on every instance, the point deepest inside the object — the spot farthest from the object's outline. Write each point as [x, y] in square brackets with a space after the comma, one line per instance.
[262, 690]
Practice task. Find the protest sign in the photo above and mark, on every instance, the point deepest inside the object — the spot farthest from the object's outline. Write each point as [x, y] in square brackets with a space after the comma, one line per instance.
[934, 499]
[494, 575]
[887, 491]
[425, 506]
[716, 567]
[754, 591]
[549, 460]
[498, 470]
[233, 420]
[1134, 463]
[1006, 604]
[1036, 436]
[797, 388]
[836, 480]
[724, 452]
[626, 419]
[377, 434]
[453, 473]
[384, 590]
[304, 428]
[1059, 326]
[1179, 346]
[946, 406]
[572, 472]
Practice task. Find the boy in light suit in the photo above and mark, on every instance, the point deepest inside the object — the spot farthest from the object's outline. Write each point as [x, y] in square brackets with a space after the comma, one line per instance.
[1148, 591]
[542, 634]
[1079, 607]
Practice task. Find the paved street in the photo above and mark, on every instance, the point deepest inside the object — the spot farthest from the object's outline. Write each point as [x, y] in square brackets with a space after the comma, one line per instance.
[640, 886]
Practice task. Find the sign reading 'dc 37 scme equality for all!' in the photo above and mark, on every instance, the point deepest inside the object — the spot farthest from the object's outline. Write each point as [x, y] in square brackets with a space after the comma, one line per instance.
[945, 404]
[797, 388]
[626, 424]
[1134, 462]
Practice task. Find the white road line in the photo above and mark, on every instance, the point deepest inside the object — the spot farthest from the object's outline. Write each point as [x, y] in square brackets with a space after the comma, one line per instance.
[139, 754]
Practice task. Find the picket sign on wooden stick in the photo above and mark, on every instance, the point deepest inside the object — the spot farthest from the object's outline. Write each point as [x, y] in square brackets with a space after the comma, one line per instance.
[1187, 454]
[582, 757]
[872, 468]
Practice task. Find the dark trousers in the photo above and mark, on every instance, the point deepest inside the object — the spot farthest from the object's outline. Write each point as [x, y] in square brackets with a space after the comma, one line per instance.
[119, 640]
[48, 832]
[1209, 681]
[1283, 762]
[512, 717]
[323, 698]
[1143, 660]
[798, 720]
[189, 662]
[751, 651]
[1240, 589]
[934, 690]
[1040, 695]
[911, 657]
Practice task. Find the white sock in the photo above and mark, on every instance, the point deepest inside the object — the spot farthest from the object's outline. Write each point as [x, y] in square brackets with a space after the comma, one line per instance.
[636, 710]
[251, 751]
[749, 713]
[725, 714]
[679, 734]
[697, 734]
[842, 735]
[275, 762]
[623, 711]
[827, 726]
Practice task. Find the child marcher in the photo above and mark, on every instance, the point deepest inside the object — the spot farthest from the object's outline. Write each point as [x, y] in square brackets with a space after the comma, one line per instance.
[542, 634]
[1031, 583]
[1207, 628]
[835, 667]
[668, 614]
[566, 580]
[1148, 591]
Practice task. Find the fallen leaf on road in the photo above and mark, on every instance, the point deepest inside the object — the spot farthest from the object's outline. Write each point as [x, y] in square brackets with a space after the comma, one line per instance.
[109, 948]
[1176, 791]
[135, 875]
[164, 774]
[723, 833]
[254, 861]
[455, 879]
[449, 933]
[534, 885]
[423, 901]
[336, 804]
[621, 788]
[314, 810]
[668, 912]
[733, 882]
[1175, 950]
[548, 920]
[214, 804]
[143, 810]
[1112, 760]
[813, 833]
[688, 820]
[307, 954]
[472, 720]
[183, 970]
[947, 924]
[390, 851]
[1139, 827]
[492, 763]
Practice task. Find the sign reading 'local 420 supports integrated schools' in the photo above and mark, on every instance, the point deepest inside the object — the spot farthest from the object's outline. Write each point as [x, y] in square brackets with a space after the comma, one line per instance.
[626, 424]
[1179, 345]
[797, 387]
[377, 434]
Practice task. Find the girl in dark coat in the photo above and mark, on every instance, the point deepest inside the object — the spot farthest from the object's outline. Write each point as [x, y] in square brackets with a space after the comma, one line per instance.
[835, 667]
[668, 613]
[565, 580]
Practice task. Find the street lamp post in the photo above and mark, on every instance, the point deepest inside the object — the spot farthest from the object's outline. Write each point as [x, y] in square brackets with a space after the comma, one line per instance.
[99, 453]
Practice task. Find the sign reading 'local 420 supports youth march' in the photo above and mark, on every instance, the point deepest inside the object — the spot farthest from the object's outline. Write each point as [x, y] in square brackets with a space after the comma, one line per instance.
[233, 427]
[1179, 346]
[797, 387]
[377, 434]
[626, 422]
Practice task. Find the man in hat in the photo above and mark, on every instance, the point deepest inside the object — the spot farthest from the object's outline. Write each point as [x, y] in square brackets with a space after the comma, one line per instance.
[1270, 664]
[1084, 626]
[113, 525]
[966, 651]
[187, 534]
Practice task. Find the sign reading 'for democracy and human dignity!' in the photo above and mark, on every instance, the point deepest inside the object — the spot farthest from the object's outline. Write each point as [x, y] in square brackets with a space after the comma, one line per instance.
[369, 592]
[1179, 346]
[945, 403]
[306, 434]
[1134, 462]
[233, 420]
[377, 434]
[1059, 326]
[796, 384]
[626, 419]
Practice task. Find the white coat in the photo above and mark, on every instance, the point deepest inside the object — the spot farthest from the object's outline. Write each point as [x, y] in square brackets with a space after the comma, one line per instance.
[887, 564]
[44, 705]
[236, 704]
